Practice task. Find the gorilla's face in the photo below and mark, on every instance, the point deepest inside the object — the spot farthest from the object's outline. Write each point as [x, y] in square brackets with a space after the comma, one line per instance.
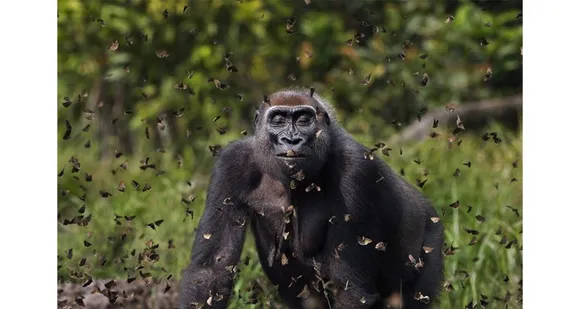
[292, 131]
[297, 138]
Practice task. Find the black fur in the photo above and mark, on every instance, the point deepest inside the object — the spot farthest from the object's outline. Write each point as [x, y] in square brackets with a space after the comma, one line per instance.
[312, 218]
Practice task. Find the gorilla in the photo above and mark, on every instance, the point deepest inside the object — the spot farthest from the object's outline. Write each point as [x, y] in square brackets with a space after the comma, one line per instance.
[335, 228]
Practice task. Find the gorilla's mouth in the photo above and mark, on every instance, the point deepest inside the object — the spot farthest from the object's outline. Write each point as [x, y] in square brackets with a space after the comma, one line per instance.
[290, 154]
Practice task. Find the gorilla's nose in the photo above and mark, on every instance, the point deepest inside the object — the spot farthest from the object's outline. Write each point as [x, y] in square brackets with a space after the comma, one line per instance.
[293, 141]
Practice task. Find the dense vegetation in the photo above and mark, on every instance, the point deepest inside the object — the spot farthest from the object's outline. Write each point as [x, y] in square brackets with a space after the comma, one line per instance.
[145, 79]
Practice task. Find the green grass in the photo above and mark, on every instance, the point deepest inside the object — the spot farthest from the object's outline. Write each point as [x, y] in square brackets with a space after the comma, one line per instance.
[485, 187]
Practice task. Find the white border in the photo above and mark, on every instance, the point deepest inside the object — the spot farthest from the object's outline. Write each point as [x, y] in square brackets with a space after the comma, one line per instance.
[28, 129]
[550, 156]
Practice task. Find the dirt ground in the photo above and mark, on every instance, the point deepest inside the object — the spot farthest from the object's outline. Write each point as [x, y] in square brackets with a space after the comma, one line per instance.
[110, 294]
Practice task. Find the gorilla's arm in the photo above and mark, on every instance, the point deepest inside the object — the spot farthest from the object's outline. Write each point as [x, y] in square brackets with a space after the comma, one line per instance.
[219, 238]
[397, 214]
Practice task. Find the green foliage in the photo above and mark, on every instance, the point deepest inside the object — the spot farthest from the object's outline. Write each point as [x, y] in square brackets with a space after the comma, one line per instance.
[265, 55]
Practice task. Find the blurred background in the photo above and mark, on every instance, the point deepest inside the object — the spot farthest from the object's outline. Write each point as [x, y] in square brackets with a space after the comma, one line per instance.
[149, 92]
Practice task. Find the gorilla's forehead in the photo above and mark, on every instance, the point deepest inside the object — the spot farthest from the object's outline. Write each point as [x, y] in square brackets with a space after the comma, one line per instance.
[291, 98]
[290, 108]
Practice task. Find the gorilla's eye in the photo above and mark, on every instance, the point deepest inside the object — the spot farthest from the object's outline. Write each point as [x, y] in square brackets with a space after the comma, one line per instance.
[278, 120]
[304, 120]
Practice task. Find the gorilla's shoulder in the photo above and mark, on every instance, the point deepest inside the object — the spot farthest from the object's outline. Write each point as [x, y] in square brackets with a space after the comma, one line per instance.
[236, 149]
[358, 163]
[236, 161]
[235, 156]
[352, 152]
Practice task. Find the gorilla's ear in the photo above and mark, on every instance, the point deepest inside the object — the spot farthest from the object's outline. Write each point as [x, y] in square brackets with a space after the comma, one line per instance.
[256, 116]
[326, 118]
